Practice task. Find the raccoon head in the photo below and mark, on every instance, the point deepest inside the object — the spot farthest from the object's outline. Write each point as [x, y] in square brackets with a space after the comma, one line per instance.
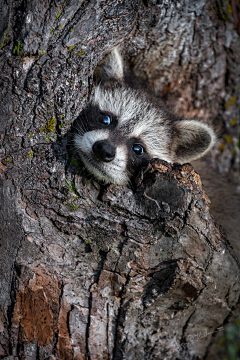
[120, 131]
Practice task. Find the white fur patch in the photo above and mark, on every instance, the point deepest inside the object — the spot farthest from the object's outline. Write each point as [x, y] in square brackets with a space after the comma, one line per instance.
[111, 172]
[85, 142]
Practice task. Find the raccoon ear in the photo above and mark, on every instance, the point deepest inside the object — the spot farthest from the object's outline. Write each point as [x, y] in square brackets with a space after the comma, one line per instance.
[192, 139]
[110, 68]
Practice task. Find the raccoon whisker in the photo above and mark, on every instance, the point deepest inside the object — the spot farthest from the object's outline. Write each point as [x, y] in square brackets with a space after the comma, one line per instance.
[82, 124]
[85, 127]
[86, 116]
[76, 126]
[130, 184]
[130, 175]
[71, 141]
[76, 149]
[86, 119]
[82, 130]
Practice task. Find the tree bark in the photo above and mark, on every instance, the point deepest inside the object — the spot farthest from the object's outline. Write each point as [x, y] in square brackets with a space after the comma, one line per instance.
[89, 272]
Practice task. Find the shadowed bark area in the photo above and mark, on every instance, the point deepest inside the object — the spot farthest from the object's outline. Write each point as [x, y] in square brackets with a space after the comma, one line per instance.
[93, 272]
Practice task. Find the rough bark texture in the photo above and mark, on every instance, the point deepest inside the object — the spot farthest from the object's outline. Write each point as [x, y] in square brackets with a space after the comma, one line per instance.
[189, 53]
[94, 273]
[140, 275]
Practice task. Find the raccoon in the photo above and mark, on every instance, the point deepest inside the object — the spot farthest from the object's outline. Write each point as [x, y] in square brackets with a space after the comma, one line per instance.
[120, 130]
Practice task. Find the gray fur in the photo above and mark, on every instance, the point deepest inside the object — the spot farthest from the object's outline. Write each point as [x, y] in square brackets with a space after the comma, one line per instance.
[170, 140]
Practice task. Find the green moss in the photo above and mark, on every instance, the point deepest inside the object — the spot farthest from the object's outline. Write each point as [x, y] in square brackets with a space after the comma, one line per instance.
[72, 188]
[81, 52]
[228, 139]
[49, 127]
[5, 35]
[234, 153]
[87, 241]
[74, 162]
[71, 47]
[57, 16]
[8, 160]
[230, 102]
[72, 30]
[48, 138]
[43, 51]
[73, 207]
[17, 47]
[30, 154]
[229, 9]
[234, 121]
[69, 183]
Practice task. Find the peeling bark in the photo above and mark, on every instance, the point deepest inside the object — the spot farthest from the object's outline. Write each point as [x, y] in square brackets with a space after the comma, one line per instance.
[93, 272]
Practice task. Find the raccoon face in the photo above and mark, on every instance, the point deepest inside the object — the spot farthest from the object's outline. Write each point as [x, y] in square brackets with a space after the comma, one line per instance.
[120, 131]
[104, 148]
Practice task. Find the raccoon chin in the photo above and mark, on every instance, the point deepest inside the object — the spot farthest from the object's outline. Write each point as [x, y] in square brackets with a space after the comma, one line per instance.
[102, 175]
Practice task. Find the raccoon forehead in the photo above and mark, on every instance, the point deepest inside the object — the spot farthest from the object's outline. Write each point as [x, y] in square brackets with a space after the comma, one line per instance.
[127, 106]
[137, 119]
[158, 144]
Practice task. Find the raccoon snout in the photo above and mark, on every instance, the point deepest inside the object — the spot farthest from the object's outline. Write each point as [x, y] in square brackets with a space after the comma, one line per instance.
[103, 151]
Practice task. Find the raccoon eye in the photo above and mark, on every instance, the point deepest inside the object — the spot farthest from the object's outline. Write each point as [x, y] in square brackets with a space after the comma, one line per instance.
[105, 120]
[138, 149]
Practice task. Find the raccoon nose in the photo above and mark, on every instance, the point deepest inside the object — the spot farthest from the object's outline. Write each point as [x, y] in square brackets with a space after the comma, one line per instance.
[103, 151]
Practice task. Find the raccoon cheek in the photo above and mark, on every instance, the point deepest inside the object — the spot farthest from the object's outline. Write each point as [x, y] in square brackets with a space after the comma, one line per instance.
[91, 137]
[121, 156]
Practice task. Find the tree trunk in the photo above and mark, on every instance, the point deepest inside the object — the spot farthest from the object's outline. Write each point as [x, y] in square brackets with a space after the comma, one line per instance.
[89, 272]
